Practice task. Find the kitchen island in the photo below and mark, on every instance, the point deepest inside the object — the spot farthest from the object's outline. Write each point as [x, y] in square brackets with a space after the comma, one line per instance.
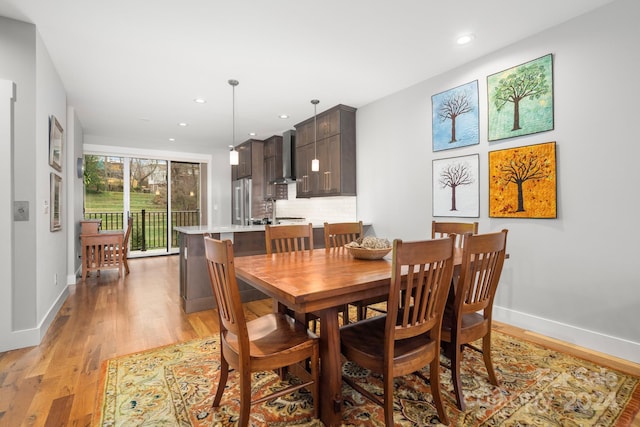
[195, 287]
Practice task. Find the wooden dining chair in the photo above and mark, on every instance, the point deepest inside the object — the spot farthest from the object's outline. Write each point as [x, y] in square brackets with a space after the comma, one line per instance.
[267, 343]
[469, 317]
[339, 234]
[291, 238]
[407, 338]
[443, 229]
[295, 238]
[288, 238]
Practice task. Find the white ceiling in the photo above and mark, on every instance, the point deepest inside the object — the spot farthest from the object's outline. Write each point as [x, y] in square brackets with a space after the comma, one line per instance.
[132, 68]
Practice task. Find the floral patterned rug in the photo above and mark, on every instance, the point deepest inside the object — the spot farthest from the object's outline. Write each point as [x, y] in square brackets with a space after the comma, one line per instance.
[174, 386]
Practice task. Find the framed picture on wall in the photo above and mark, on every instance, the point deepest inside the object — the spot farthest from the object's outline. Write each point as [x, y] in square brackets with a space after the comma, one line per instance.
[522, 182]
[455, 119]
[456, 188]
[520, 99]
[55, 204]
[55, 143]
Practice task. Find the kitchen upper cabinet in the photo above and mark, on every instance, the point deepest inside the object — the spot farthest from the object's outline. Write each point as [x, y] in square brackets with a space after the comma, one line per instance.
[272, 165]
[306, 181]
[329, 177]
[250, 161]
[244, 167]
[335, 149]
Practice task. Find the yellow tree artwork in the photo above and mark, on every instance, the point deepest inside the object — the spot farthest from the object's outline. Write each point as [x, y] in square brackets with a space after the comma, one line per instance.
[522, 182]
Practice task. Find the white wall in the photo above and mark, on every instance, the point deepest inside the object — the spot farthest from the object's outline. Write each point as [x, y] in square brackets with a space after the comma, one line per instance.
[574, 277]
[75, 195]
[18, 64]
[7, 96]
[35, 298]
[51, 247]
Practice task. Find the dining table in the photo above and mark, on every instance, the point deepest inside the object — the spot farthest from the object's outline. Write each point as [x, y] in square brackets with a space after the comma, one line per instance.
[320, 281]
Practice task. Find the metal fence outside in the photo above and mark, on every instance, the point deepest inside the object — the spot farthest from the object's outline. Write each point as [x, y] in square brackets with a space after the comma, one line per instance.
[149, 230]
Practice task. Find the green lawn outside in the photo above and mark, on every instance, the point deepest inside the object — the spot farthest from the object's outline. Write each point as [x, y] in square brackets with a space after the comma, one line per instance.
[155, 230]
[112, 201]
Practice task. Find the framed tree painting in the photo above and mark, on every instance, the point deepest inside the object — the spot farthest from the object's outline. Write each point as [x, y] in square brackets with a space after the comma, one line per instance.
[522, 182]
[455, 119]
[55, 143]
[520, 99]
[456, 189]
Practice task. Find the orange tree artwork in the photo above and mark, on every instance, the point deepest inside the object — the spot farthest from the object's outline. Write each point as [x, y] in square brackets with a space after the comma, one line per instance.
[522, 182]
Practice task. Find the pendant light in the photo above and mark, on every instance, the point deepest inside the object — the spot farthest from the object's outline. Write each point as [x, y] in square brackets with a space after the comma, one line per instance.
[233, 154]
[315, 163]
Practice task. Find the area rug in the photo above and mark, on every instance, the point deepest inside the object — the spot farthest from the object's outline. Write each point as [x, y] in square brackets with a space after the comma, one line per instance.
[174, 386]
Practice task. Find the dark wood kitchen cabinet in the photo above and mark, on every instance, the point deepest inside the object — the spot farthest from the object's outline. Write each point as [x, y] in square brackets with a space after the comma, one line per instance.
[246, 155]
[272, 165]
[306, 180]
[335, 149]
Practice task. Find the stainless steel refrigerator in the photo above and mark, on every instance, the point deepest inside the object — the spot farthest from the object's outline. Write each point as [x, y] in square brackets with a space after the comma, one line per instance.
[241, 202]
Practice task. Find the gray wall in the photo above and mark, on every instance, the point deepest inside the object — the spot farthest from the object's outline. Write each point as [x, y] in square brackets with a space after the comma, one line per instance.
[37, 255]
[574, 277]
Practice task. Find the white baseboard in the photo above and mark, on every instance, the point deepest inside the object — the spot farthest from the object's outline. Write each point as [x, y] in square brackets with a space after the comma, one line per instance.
[596, 341]
[34, 336]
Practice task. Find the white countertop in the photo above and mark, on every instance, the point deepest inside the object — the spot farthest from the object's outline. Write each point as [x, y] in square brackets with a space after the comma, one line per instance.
[201, 229]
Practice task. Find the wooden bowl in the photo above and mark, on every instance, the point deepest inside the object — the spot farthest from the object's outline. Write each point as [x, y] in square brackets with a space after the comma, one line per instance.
[366, 253]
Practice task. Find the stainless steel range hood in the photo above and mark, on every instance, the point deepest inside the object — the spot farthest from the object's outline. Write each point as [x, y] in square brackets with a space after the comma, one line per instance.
[288, 158]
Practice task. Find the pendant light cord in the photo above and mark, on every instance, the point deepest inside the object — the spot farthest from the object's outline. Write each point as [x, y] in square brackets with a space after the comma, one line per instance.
[233, 84]
[315, 103]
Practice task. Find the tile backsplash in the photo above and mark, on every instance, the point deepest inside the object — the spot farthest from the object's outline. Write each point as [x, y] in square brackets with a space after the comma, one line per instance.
[318, 210]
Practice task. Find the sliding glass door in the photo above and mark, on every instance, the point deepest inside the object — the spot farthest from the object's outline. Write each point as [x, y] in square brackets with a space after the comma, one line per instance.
[158, 194]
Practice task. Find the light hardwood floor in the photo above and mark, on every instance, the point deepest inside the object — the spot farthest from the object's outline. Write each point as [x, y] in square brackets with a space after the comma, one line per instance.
[55, 383]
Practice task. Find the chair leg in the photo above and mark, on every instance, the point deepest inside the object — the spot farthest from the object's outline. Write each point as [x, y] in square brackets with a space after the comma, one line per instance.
[245, 397]
[362, 312]
[388, 400]
[126, 265]
[455, 355]
[486, 355]
[222, 382]
[434, 380]
[315, 387]
[345, 314]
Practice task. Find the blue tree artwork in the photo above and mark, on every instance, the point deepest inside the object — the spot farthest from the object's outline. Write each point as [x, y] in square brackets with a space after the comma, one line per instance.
[455, 117]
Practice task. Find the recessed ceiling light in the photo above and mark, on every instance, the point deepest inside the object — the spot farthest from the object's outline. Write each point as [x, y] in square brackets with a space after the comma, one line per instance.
[172, 140]
[252, 134]
[464, 39]
[284, 116]
[183, 124]
[200, 101]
